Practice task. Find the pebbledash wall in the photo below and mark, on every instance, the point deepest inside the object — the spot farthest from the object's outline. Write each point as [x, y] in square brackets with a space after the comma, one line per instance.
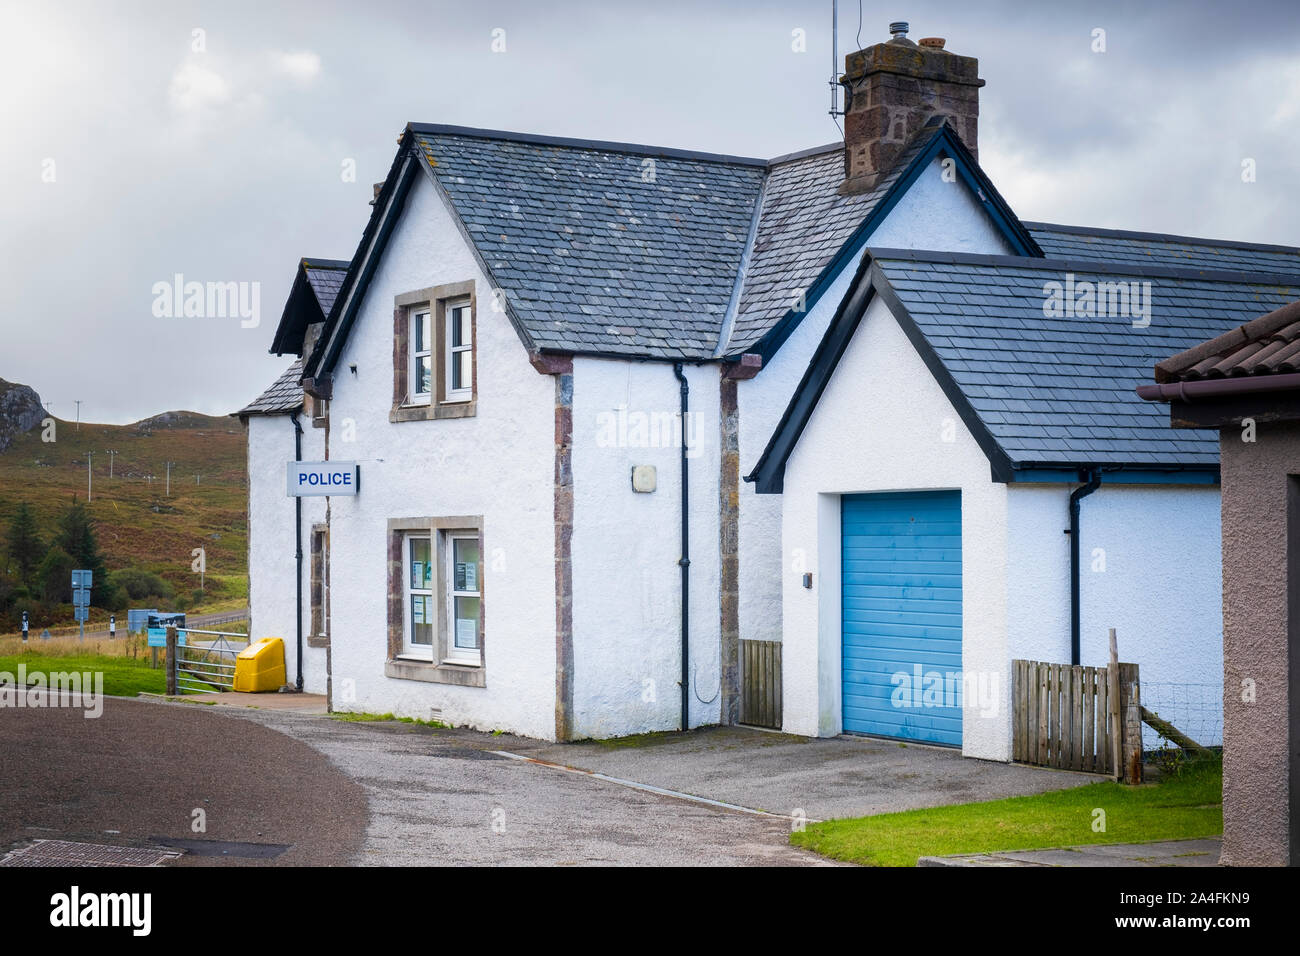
[933, 214]
[1015, 559]
[626, 546]
[271, 550]
[498, 464]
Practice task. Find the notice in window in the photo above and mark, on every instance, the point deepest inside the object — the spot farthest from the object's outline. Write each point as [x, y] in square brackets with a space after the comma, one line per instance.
[467, 633]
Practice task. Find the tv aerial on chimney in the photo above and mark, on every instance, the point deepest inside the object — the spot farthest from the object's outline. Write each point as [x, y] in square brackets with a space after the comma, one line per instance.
[835, 63]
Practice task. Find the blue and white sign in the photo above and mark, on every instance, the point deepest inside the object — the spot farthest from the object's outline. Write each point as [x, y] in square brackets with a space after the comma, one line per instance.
[317, 478]
[158, 637]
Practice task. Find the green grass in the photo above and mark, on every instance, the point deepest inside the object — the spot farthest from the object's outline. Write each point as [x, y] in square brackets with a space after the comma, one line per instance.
[1185, 806]
[652, 738]
[364, 718]
[123, 676]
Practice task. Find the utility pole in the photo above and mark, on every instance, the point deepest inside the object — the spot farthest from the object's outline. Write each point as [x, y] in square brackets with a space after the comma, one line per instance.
[89, 477]
[169, 479]
[78, 401]
[111, 454]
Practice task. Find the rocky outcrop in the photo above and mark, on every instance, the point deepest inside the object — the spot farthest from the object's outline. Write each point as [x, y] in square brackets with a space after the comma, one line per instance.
[20, 411]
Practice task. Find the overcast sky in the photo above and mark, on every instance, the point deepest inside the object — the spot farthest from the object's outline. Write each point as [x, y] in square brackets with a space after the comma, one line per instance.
[129, 156]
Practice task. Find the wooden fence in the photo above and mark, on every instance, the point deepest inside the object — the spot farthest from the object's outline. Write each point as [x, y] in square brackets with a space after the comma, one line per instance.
[1077, 718]
[760, 683]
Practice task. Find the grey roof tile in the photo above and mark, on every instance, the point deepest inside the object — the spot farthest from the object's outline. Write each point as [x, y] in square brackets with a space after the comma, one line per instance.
[283, 396]
[583, 231]
[1065, 392]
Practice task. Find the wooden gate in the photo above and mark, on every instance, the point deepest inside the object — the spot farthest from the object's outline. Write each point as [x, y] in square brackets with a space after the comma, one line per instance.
[760, 683]
[1069, 716]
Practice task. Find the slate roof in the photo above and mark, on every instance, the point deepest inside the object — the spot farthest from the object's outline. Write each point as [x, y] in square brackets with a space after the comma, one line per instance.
[804, 222]
[1267, 345]
[315, 286]
[646, 252]
[1144, 248]
[1039, 389]
[284, 395]
[325, 277]
[1061, 390]
[598, 248]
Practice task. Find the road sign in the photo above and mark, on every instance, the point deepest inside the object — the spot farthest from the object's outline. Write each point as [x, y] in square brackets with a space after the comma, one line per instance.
[81, 613]
[82, 578]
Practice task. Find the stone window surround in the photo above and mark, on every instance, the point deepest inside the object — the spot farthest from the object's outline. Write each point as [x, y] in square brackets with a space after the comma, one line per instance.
[319, 586]
[436, 671]
[436, 299]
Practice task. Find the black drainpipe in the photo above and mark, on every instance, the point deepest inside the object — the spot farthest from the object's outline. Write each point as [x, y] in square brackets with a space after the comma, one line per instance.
[297, 532]
[1093, 479]
[685, 562]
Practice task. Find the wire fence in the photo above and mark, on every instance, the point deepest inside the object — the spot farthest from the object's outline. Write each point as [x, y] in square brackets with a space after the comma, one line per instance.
[1195, 709]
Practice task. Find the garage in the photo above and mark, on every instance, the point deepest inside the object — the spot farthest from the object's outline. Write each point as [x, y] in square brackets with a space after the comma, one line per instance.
[901, 615]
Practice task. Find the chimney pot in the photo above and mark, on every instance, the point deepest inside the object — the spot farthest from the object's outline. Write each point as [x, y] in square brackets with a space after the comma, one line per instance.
[892, 89]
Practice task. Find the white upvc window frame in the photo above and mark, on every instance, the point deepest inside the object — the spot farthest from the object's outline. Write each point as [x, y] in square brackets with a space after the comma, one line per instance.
[454, 654]
[451, 353]
[411, 650]
[418, 317]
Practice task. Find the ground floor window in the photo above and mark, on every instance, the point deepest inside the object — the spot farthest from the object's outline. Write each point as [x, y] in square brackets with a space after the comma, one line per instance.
[436, 593]
[466, 599]
[319, 585]
[420, 615]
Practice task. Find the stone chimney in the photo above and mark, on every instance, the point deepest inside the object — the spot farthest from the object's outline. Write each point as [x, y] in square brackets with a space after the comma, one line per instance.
[891, 90]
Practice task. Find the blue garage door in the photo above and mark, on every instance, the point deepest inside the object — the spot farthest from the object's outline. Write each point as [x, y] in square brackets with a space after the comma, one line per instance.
[901, 610]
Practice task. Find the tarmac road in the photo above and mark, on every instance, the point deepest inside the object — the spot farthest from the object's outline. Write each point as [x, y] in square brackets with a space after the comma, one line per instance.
[142, 769]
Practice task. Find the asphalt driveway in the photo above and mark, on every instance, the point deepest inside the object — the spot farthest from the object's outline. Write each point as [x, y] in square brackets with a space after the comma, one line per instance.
[382, 793]
[444, 797]
[825, 778]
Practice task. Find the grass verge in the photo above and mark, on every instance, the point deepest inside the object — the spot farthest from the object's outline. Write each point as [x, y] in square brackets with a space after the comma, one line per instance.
[123, 676]
[1187, 805]
[363, 718]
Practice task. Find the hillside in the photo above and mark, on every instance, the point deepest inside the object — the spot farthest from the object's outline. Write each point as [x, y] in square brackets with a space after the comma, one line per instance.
[137, 522]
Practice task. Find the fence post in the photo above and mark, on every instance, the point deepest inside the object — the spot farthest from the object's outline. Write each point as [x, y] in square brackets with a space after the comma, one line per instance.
[171, 661]
[1112, 679]
[1130, 690]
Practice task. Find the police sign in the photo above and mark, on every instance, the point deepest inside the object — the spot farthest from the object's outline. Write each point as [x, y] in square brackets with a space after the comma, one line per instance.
[314, 478]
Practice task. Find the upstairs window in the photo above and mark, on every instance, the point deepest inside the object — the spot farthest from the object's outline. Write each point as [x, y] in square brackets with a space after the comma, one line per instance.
[435, 360]
[421, 371]
[459, 339]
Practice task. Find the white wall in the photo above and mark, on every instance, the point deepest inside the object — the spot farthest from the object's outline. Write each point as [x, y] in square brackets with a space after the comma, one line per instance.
[626, 547]
[880, 426]
[272, 595]
[498, 464]
[933, 214]
[1150, 568]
